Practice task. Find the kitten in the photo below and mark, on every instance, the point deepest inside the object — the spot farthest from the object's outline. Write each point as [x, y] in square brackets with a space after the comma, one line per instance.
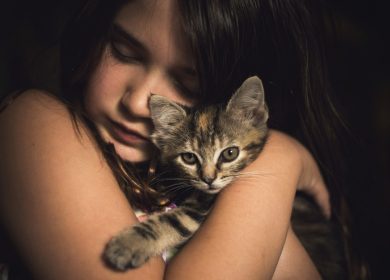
[204, 148]
[202, 151]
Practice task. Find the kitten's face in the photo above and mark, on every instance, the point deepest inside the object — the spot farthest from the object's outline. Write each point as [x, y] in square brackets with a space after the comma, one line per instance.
[208, 147]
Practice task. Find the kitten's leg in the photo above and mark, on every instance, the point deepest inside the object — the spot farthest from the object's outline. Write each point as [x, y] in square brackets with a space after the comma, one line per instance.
[135, 245]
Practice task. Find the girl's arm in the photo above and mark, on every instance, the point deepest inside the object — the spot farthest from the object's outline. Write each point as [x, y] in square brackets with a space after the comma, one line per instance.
[60, 204]
[294, 262]
[59, 200]
[244, 235]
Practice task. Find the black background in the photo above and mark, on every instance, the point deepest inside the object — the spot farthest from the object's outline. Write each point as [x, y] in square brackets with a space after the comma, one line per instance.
[360, 72]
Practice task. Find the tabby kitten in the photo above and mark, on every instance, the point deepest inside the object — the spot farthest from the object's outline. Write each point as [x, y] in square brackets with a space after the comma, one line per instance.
[205, 149]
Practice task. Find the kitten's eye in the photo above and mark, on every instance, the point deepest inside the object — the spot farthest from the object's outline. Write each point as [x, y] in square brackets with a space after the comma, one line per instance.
[230, 154]
[189, 158]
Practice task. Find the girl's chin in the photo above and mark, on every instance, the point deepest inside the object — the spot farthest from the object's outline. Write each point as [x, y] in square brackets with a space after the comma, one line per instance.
[133, 154]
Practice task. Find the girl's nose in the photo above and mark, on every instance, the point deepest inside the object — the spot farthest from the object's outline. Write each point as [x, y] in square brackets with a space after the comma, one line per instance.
[135, 101]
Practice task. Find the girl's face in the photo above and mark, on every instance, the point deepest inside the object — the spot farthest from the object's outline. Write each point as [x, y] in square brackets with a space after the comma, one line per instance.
[147, 54]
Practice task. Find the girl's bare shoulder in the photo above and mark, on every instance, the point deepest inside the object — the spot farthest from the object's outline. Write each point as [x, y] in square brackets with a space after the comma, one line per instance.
[34, 107]
[39, 118]
[41, 141]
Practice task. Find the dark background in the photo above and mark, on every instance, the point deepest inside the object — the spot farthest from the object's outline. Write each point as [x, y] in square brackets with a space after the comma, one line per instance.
[360, 72]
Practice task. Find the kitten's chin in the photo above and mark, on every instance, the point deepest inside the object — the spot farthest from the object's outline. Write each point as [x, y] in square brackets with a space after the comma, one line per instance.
[215, 188]
[212, 191]
[209, 189]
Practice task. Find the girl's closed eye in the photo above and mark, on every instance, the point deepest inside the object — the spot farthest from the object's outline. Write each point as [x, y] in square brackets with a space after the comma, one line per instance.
[189, 90]
[125, 48]
[124, 53]
[185, 80]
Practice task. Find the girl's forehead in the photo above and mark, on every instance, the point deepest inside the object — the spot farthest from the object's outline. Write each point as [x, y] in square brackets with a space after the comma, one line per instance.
[162, 11]
[157, 25]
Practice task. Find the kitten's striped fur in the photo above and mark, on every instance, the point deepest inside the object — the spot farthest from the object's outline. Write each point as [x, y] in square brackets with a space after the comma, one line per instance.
[204, 149]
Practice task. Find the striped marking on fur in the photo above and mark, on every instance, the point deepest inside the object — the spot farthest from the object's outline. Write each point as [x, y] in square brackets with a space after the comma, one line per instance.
[175, 223]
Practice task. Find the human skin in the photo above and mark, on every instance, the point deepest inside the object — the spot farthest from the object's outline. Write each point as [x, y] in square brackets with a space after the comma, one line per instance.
[61, 204]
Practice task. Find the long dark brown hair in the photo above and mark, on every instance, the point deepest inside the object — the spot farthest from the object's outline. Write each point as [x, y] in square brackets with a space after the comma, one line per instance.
[279, 40]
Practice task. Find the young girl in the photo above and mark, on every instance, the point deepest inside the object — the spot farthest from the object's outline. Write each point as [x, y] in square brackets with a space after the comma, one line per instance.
[59, 197]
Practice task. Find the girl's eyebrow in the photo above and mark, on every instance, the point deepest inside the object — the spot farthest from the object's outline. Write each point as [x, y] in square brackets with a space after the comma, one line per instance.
[129, 38]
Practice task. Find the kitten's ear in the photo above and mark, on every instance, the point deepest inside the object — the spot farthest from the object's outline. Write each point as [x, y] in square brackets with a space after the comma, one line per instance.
[248, 101]
[165, 113]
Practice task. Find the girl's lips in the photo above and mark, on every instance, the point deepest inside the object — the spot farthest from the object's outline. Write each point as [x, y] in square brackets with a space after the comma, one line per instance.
[127, 136]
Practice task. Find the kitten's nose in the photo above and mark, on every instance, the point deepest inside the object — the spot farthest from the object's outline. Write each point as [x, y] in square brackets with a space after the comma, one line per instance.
[208, 173]
[208, 180]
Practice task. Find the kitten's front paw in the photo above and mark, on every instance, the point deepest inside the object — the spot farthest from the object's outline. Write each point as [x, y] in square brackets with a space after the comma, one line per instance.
[127, 250]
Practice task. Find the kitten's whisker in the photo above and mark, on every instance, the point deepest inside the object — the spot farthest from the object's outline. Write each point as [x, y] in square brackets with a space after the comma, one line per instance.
[248, 181]
[171, 179]
[243, 177]
[159, 178]
[174, 186]
[164, 181]
[158, 175]
[177, 189]
[249, 175]
[245, 183]
[174, 189]
[254, 173]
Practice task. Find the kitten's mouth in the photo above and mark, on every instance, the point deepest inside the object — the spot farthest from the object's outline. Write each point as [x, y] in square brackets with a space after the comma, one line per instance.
[212, 189]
